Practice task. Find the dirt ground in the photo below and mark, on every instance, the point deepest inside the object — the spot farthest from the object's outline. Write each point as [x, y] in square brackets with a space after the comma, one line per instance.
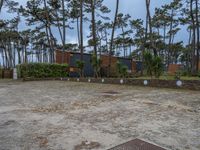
[58, 115]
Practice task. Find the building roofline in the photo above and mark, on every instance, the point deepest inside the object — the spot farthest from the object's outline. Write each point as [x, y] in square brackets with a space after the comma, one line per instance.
[102, 55]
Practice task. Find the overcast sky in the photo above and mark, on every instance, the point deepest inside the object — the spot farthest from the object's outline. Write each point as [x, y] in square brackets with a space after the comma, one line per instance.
[136, 8]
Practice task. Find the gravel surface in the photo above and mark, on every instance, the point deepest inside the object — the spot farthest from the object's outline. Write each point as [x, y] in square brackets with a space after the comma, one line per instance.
[57, 115]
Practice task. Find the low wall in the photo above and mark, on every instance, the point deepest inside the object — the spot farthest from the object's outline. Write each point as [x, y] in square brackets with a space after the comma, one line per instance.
[6, 73]
[183, 84]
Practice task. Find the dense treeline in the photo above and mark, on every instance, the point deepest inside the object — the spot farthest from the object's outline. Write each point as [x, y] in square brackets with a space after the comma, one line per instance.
[121, 35]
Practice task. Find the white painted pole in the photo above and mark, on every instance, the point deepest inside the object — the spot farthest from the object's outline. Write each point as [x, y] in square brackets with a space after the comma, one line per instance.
[15, 74]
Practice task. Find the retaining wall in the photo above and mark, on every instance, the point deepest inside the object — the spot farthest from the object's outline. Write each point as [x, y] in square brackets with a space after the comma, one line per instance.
[183, 84]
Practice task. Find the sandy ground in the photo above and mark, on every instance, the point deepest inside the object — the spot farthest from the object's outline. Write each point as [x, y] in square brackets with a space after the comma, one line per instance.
[56, 115]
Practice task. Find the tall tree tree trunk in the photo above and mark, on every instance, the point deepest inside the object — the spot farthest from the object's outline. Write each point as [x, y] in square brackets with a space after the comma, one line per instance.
[49, 32]
[10, 54]
[194, 38]
[94, 27]
[94, 36]
[14, 58]
[18, 53]
[59, 27]
[106, 39]
[112, 36]
[52, 43]
[150, 27]
[164, 40]
[145, 42]
[3, 57]
[81, 36]
[123, 43]
[81, 29]
[1, 4]
[188, 61]
[78, 31]
[25, 53]
[170, 38]
[6, 58]
[99, 36]
[48, 39]
[64, 30]
[198, 36]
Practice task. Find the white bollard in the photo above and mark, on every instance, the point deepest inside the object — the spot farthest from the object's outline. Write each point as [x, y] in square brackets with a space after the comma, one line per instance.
[179, 83]
[145, 82]
[15, 74]
[121, 81]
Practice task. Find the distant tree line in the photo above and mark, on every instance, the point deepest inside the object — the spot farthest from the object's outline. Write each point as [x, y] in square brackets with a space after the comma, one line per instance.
[120, 35]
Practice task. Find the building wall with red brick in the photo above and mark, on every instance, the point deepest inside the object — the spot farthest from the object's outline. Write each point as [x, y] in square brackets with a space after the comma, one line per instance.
[173, 68]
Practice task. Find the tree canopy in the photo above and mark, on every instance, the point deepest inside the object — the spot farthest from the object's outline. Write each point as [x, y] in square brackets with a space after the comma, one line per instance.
[50, 22]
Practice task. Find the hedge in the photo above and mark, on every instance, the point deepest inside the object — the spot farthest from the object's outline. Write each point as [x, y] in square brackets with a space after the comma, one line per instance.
[42, 70]
[1, 73]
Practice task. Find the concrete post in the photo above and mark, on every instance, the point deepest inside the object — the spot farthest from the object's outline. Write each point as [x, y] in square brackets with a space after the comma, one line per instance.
[15, 74]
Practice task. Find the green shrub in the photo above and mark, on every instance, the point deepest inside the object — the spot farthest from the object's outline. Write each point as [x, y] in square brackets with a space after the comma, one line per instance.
[185, 72]
[182, 72]
[153, 65]
[157, 66]
[148, 63]
[198, 74]
[177, 75]
[42, 70]
[1, 72]
[122, 70]
[96, 64]
[80, 65]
